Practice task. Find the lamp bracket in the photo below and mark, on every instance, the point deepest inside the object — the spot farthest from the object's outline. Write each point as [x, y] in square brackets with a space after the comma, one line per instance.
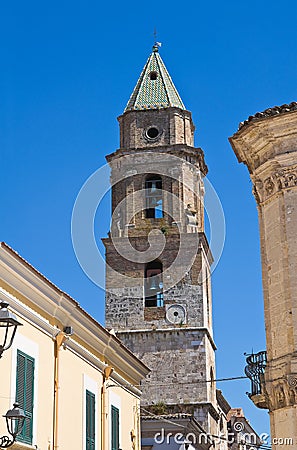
[6, 441]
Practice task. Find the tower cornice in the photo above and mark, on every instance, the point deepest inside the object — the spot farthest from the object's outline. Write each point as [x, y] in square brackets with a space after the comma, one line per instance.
[178, 150]
[171, 330]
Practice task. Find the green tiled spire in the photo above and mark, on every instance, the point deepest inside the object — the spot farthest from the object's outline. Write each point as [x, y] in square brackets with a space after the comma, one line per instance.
[154, 89]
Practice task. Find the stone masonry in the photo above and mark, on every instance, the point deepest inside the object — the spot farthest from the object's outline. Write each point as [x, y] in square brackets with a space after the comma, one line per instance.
[174, 338]
[267, 144]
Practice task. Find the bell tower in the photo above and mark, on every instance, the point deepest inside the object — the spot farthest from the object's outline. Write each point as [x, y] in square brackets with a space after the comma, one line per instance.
[158, 288]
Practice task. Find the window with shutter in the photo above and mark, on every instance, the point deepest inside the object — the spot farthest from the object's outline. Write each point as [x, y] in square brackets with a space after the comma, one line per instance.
[115, 430]
[25, 393]
[90, 420]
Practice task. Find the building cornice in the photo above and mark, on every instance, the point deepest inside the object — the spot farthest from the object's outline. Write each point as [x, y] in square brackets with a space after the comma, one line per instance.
[116, 378]
[43, 299]
[27, 314]
[24, 312]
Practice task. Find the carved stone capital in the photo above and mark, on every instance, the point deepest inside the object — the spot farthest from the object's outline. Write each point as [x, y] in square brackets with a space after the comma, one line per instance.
[282, 393]
[281, 179]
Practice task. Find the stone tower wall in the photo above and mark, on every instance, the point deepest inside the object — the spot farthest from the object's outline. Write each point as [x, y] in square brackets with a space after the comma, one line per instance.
[175, 125]
[181, 360]
[181, 170]
[125, 304]
[158, 287]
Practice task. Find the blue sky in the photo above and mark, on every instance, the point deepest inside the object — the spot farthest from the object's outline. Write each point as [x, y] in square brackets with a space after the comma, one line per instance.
[67, 71]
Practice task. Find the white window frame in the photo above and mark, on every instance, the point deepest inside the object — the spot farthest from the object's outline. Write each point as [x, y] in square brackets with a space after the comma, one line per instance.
[89, 385]
[30, 348]
[114, 400]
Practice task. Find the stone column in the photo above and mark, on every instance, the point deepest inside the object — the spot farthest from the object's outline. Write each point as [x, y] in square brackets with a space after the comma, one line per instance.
[267, 144]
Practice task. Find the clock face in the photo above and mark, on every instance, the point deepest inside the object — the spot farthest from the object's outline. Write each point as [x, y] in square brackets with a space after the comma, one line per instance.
[176, 314]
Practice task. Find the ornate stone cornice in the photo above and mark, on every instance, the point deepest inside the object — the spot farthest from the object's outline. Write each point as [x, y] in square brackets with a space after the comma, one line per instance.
[266, 140]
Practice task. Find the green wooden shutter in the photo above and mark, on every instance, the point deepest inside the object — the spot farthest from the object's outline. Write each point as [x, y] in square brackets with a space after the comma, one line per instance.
[25, 393]
[90, 421]
[115, 429]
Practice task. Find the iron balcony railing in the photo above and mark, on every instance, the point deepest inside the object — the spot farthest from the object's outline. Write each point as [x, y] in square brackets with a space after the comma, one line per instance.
[254, 370]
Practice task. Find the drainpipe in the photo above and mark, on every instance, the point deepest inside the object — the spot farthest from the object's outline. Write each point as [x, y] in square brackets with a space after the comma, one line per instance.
[138, 437]
[59, 341]
[104, 407]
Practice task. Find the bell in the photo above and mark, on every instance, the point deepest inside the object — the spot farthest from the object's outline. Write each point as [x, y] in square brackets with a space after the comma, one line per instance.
[154, 187]
[154, 202]
[154, 285]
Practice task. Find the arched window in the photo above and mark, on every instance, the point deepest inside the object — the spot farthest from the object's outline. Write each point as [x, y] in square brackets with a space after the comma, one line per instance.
[153, 284]
[154, 200]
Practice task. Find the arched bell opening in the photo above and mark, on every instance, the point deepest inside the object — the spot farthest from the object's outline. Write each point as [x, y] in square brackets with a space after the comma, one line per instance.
[154, 198]
[153, 284]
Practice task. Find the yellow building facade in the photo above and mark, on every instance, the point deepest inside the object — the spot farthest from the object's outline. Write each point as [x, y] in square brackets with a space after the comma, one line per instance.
[78, 384]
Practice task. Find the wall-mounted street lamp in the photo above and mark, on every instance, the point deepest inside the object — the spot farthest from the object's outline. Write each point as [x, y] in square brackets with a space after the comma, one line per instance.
[9, 324]
[15, 417]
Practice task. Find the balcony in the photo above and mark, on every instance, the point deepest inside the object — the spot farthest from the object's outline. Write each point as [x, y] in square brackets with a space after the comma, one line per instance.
[254, 370]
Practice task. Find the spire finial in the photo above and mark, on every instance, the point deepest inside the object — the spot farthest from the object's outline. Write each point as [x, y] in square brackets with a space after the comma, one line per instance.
[156, 44]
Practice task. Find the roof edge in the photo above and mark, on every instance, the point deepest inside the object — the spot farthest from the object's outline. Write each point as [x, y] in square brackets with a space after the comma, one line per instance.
[269, 112]
[109, 336]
